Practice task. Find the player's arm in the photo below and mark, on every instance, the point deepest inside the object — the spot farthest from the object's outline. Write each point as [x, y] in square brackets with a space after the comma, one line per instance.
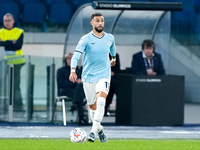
[74, 61]
[73, 75]
[113, 60]
[113, 53]
[77, 54]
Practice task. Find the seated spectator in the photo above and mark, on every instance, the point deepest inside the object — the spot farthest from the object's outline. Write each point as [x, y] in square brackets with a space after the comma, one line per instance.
[114, 70]
[72, 90]
[147, 61]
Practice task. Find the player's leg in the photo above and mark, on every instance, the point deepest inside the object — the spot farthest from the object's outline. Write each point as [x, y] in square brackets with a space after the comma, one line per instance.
[98, 116]
[92, 112]
[99, 113]
[101, 100]
[102, 89]
[90, 94]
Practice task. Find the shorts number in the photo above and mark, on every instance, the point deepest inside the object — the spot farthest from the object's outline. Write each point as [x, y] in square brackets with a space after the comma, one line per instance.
[107, 85]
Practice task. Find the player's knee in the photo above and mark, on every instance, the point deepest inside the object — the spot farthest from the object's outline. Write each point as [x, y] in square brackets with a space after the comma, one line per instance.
[102, 94]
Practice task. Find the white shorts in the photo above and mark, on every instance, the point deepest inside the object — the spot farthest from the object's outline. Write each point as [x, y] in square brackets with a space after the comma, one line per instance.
[91, 88]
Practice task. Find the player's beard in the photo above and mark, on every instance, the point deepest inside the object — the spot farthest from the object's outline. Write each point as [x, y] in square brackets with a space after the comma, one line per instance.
[98, 30]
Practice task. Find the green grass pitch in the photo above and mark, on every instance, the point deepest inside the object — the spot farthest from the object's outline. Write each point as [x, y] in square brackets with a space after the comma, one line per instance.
[112, 144]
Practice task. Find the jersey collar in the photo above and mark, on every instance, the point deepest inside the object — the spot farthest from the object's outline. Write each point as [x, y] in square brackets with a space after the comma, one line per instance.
[99, 37]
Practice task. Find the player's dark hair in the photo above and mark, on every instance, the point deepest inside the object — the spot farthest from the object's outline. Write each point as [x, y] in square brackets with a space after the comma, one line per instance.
[96, 14]
[148, 43]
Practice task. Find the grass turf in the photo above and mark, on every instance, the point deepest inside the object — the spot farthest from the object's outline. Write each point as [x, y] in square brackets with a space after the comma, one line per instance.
[112, 144]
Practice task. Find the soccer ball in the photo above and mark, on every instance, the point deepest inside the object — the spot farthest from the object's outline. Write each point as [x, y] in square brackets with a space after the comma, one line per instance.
[78, 135]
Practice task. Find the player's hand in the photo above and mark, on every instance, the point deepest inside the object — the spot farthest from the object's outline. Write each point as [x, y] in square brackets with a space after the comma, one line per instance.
[112, 73]
[73, 77]
[112, 63]
[78, 81]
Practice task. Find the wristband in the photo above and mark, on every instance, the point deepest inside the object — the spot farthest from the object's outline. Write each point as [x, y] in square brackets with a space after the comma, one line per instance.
[113, 59]
[73, 70]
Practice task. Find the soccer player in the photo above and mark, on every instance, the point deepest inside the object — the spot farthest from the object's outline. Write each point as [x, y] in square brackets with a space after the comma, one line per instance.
[95, 46]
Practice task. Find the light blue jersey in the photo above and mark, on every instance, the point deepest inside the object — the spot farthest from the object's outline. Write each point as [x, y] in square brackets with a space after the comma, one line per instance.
[96, 63]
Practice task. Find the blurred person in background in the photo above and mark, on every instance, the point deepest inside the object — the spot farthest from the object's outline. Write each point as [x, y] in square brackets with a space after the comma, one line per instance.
[147, 61]
[12, 39]
[72, 90]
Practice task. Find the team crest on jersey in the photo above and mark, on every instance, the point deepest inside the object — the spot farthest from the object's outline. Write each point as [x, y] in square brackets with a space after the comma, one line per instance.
[109, 43]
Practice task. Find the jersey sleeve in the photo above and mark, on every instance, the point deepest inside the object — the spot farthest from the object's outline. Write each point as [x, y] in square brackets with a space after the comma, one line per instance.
[113, 47]
[75, 59]
[78, 51]
[82, 44]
